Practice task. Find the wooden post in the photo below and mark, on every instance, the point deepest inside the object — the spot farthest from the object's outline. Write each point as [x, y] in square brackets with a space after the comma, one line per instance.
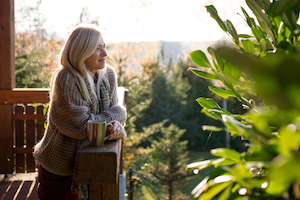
[99, 168]
[7, 82]
[130, 185]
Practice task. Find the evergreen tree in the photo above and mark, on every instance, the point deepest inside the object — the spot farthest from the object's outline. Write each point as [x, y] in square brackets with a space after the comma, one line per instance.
[136, 157]
[168, 92]
[35, 53]
[169, 158]
[173, 92]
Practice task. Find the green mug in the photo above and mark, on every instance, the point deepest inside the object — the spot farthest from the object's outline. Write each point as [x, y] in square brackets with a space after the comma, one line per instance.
[97, 132]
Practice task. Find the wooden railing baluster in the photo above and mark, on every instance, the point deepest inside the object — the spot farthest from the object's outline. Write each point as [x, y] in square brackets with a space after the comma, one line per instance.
[19, 140]
[30, 139]
[40, 124]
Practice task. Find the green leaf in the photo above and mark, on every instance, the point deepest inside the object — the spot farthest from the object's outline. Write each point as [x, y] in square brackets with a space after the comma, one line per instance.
[281, 6]
[214, 14]
[284, 172]
[214, 114]
[214, 190]
[226, 193]
[200, 59]
[200, 165]
[212, 128]
[218, 62]
[227, 153]
[248, 46]
[265, 45]
[245, 36]
[261, 17]
[267, 29]
[222, 161]
[222, 92]
[243, 62]
[200, 187]
[258, 34]
[209, 114]
[242, 175]
[285, 31]
[290, 20]
[288, 140]
[232, 74]
[264, 4]
[258, 11]
[287, 22]
[207, 103]
[245, 14]
[235, 126]
[203, 74]
[232, 32]
[250, 21]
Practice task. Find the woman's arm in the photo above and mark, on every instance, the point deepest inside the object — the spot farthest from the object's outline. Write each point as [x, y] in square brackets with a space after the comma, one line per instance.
[68, 109]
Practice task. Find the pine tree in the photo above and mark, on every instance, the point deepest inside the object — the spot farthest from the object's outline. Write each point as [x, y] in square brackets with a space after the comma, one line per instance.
[169, 158]
[35, 52]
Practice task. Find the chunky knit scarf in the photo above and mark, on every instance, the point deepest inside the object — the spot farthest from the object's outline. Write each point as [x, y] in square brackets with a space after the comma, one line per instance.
[97, 107]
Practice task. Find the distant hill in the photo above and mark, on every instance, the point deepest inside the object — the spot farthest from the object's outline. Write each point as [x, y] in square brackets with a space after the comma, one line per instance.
[181, 49]
[136, 53]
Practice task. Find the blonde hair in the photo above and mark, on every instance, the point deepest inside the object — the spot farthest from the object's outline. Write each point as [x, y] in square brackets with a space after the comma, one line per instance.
[81, 44]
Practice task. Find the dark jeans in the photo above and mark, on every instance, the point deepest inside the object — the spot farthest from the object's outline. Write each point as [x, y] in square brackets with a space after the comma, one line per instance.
[54, 187]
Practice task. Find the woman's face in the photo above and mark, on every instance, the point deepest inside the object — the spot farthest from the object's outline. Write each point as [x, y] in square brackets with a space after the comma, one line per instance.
[98, 58]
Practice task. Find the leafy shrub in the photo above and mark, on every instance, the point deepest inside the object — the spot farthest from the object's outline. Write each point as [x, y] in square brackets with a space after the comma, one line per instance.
[262, 72]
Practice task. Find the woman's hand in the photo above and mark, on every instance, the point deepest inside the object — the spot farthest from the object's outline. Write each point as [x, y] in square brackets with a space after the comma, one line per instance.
[114, 131]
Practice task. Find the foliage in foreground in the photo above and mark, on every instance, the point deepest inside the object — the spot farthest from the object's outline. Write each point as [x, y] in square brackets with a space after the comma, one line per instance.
[261, 71]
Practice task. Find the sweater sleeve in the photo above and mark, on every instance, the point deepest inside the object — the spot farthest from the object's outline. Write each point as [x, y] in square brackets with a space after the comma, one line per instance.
[68, 109]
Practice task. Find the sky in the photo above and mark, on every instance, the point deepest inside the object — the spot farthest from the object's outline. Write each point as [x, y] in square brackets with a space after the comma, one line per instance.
[145, 20]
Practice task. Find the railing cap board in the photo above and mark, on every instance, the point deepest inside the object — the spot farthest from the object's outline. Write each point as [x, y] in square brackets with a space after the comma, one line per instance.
[41, 95]
[24, 95]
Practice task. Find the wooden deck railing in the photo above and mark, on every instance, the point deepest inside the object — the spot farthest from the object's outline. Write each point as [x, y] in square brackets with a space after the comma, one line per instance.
[97, 166]
[29, 128]
[24, 127]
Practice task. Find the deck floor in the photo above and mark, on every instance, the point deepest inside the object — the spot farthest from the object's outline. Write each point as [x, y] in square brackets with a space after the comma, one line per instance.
[18, 187]
[23, 186]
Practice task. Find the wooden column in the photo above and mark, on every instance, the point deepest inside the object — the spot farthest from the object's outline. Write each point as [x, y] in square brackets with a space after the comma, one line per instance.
[7, 82]
[99, 167]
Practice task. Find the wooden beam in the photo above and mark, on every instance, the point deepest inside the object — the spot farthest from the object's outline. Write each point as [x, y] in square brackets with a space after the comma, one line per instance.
[23, 150]
[41, 95]
[26, 95]
[39, 117]
[7, 82]
[7, 47]
[6, 139]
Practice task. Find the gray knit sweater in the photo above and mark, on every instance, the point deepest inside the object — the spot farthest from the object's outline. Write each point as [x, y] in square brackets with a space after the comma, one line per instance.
[67, 122]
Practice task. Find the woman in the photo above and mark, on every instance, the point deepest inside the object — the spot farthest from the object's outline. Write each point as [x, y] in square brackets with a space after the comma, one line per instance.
[82, 88]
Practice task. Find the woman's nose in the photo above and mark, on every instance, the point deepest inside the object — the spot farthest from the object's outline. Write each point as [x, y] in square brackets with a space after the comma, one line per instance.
[103, 52]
